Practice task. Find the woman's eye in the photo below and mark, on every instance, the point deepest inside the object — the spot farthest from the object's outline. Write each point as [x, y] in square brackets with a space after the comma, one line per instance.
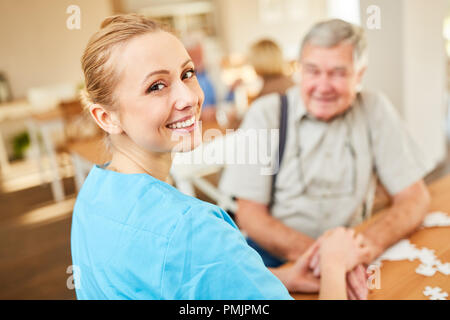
[156, 87]
[189, 74]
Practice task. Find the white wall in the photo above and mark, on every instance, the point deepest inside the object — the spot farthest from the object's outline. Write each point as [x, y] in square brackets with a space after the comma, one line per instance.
[286, 21]
[37, 49]
[36, 46]
[385, 71]
[425, 73]
[407, 62]
[348, 10]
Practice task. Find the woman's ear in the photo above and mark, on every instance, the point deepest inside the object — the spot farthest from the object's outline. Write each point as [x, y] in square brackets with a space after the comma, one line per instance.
[107, 120]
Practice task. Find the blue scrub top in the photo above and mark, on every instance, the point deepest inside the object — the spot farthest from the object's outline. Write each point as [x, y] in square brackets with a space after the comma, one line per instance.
[136, 237]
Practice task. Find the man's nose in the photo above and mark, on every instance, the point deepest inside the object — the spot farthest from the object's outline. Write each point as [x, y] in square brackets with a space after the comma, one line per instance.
[324, 83]
[183, 96]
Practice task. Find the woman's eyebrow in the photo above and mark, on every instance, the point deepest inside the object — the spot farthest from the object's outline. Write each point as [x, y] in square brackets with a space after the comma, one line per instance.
[163, 71]
[153, 73]
[186, 62]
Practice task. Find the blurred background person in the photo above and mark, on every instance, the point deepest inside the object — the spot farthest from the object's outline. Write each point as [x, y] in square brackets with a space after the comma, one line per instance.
[194, 47]
[266, 57]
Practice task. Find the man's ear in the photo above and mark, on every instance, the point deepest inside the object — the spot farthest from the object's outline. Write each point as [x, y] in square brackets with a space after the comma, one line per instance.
[360, 74]
[359, 78]
[107, 120]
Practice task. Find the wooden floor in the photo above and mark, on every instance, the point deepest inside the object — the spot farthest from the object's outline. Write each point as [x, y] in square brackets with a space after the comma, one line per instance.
[34, 257]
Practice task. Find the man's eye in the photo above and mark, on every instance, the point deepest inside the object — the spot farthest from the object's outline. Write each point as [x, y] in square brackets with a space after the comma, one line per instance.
[156, 87]
[189, 74]
[312, 71]
[339, 73]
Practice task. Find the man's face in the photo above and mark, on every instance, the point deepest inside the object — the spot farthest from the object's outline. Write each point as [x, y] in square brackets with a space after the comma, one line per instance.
[329, 80]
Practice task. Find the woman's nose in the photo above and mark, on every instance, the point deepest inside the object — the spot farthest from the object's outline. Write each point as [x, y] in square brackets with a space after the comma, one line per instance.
[184, 96]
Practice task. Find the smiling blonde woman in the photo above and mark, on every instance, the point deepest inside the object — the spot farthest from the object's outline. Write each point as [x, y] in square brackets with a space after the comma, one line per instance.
[133, 235]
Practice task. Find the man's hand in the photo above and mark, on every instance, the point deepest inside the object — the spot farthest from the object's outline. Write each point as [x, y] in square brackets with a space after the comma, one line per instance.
[298, 277]
[357, 283]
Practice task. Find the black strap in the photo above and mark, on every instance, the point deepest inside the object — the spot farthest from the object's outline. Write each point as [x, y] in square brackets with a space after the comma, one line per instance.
[281, 143]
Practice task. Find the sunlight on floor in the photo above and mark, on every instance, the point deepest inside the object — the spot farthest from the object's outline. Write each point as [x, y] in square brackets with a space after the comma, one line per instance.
[47, 214]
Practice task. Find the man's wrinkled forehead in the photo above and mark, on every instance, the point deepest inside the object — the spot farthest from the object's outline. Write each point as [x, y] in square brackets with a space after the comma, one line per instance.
[339, 56]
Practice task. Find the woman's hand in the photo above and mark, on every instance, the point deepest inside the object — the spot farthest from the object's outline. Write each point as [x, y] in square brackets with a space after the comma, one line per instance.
[357, 277]
[340, 255]
[340, 246]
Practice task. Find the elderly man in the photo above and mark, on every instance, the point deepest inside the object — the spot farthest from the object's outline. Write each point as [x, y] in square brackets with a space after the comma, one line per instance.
[339, 141]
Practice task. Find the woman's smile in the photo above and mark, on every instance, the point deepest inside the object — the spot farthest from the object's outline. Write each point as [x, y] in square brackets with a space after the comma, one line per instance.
[186, 124]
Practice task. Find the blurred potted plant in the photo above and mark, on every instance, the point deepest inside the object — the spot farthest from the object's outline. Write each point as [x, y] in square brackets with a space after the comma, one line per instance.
[21, 143]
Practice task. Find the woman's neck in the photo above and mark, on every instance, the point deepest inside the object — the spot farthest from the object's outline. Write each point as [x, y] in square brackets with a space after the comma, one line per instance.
[128, 158]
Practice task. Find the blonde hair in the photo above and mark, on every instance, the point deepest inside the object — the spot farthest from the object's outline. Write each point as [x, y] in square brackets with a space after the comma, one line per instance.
[99, 73]
[266, 58]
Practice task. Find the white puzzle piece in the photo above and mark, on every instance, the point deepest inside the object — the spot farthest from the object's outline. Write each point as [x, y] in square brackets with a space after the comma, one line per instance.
[402, 250]
[443, 268]
[405, 250]
[435, 293]
[436, 219]
[426, 270]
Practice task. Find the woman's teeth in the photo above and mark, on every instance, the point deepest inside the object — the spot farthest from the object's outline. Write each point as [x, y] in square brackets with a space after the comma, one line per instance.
[182, 124]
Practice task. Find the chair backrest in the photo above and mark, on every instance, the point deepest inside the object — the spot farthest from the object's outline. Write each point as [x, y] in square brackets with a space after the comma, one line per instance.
[190, 168]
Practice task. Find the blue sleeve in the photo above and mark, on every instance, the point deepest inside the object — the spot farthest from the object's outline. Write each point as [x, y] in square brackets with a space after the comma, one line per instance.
[208, 258]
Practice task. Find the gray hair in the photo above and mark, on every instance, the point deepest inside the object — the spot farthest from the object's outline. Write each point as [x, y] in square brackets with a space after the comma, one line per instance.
[330, 33]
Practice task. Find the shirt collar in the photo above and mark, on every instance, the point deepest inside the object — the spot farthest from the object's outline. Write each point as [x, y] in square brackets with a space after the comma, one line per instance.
[299, 111]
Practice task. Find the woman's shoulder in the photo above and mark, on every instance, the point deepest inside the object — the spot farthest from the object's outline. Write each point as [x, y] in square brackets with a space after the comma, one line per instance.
[215, 260]
[139, 201]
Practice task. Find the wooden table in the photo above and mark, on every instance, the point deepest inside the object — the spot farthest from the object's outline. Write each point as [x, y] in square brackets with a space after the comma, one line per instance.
[399, 281]
[45, 123]
[39, 122]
